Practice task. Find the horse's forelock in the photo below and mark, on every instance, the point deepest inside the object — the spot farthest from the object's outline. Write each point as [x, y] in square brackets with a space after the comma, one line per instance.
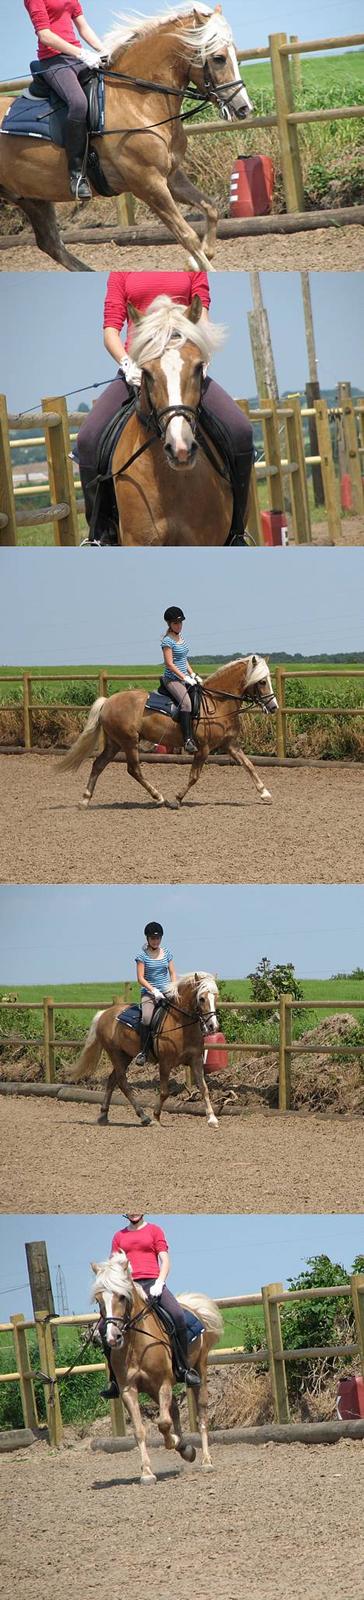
[165, 323]
[113, 1276]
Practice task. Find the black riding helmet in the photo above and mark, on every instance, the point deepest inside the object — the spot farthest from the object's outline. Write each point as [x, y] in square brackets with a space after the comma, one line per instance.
[153, 930]
[174, 614]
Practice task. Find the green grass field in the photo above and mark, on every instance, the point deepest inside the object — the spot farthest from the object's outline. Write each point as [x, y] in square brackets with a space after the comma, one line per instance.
[203, 665]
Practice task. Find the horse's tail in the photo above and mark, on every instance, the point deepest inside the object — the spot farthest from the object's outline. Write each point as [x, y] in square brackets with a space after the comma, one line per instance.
[207, 1311]
[91, 1053]
[87, 739]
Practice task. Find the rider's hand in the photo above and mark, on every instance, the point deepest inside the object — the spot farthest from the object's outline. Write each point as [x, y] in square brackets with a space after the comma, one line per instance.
[190, 678]
[197, 679]
[131, 372]
[158, 994]
[156, 1289]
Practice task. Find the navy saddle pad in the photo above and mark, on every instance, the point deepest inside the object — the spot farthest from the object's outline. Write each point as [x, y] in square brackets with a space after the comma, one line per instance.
[132, 1016]
[162, 703]
[43, 116]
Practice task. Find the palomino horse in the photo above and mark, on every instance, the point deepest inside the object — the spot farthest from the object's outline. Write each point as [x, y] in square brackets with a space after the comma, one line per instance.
[125, 721]
[171, 345]
[190, 1015]
[149, 65]
[141, 1356]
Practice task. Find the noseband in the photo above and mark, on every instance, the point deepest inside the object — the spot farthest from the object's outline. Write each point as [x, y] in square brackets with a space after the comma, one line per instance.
[214, 92]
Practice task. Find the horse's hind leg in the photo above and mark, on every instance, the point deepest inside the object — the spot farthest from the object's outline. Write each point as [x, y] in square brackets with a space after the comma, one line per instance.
[42, 216]
[201, 1399]
[135, 770]
[101, 761]
[119, 1078]
[109, 1090]
[181, 188]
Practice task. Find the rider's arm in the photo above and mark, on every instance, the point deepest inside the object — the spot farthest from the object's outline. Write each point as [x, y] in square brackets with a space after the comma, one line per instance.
[164, 1265]
[114, 344]
[172, 971]
[168, 657]
[87, 33]
[59, 46]
[142, 979]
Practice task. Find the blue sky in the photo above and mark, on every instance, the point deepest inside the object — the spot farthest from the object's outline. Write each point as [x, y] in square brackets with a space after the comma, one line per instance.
[106, 607]
[221, 1255]
[312, 19]
[69, 304]
[91, 933]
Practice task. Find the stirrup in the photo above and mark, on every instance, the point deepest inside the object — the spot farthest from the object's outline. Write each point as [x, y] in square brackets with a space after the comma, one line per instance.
[89, 543]
[192, 1378]
[141, 1058]
[112, 1392]
[191, 747]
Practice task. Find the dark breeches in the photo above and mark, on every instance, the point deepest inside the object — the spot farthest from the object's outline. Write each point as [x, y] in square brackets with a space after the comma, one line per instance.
[62, 75]
[107, 407]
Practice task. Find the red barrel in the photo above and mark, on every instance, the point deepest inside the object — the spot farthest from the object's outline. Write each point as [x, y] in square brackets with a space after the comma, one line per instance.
[251, 186]
[216, 1060]
[346, 492]
[350, 1397]
[274, 527]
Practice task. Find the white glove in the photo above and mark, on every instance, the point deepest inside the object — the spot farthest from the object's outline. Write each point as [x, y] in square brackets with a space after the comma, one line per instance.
[131, 372]
[190, 678]
[197, 679]
[156, 1289]
[89, 56]
[158, 994]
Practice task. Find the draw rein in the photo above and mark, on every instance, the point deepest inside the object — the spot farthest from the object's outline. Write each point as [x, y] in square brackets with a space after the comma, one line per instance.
[212, 93]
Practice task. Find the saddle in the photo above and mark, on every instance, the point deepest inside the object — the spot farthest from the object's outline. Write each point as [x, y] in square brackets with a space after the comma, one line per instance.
[104, 523]
[161, 700]
[38, 113]
[132, 1017]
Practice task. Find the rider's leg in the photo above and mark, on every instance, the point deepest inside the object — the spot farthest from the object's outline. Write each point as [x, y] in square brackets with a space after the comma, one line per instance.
[179, 693]
[107, 406]
[183, 1370]
[147, 1013]
[239, 427]
[62, 74]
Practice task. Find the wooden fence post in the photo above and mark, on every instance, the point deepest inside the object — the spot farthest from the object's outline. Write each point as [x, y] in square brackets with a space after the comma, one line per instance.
[48, 1370]
[117, 1415]
[298, 481]
[7, 500]
[253, 519]
[331, 493]
[27, 710]
[351, 446]
[103, 682]
[287, 131]
[277, 1367]
[61, 483]
[125, 206]
[312, 394]
[272, 452]
[280, 680]
[296, 64]
[27, 1391]
[192, 1411]
[49, 1040]
[357, 1295]
[285, 1057]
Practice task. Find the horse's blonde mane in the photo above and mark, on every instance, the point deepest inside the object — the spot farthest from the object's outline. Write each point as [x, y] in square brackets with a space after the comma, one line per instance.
[254, 673]
[166, 323]
[131, 26]
[114, 1276]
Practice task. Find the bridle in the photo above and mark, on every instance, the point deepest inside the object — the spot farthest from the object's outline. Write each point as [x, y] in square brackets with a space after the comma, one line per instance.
[213, 92]
[156, 415]
[192, 1016]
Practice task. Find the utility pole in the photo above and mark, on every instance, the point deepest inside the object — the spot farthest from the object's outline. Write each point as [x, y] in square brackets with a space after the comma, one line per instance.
[313, 387]
[61, 1293]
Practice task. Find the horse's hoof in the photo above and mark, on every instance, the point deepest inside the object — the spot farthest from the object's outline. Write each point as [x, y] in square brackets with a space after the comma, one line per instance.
[266, 796]
[187, 1451]
[148, 1477]
[173, 805]
[160, 801]
[85, 802]
[102, 1119]
[145, 1121]
[212, 1121]
[207, 1466]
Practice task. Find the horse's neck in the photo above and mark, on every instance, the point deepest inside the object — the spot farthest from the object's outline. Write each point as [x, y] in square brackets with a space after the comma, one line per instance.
[155, 57]
[232, 678]
[185, 996]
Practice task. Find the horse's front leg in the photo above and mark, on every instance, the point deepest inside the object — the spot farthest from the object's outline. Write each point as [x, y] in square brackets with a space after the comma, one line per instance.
[131, 1401]
[171, 1435]
[161, 201]
[195, 773]
[201, 1399]
[242, 760]
[199, 1076]
[182, 189]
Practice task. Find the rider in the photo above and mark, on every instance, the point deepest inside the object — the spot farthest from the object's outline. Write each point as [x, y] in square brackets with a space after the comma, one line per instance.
[146, 1248]
[139, 289]
[60, 62]
[155, 973]
[178, 674]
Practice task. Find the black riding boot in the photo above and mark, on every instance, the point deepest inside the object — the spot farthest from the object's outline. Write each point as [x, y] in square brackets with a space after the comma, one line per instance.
[184, 1373]
[244, 463]
[75, 150]
[143, 1054]
[99, 509]
[186, 725]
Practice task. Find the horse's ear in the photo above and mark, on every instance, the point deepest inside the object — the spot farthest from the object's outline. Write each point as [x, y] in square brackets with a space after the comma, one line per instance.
[254, 661]
[94, 1266]
[196, 977]
[133, 314]
[195, 310]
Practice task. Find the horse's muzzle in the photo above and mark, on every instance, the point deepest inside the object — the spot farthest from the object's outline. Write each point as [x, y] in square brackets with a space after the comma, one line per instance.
[178, 457]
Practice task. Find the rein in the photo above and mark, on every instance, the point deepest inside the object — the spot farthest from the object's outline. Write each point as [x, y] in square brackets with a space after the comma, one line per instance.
[212, 92]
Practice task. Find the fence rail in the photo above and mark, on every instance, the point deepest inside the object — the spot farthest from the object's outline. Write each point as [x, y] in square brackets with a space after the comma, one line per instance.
[273, 1354]
[31, 706]
[285, 1048]
[285, 458]
[285, 118]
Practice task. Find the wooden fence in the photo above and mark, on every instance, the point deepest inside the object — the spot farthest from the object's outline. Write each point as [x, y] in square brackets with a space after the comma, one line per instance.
[281, 52]
[273, 1355]
[285, 1048]
[285, 458]
[134, 678]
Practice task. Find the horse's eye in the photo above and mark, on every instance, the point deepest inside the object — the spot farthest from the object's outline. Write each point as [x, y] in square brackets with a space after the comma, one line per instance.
[220, 61]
